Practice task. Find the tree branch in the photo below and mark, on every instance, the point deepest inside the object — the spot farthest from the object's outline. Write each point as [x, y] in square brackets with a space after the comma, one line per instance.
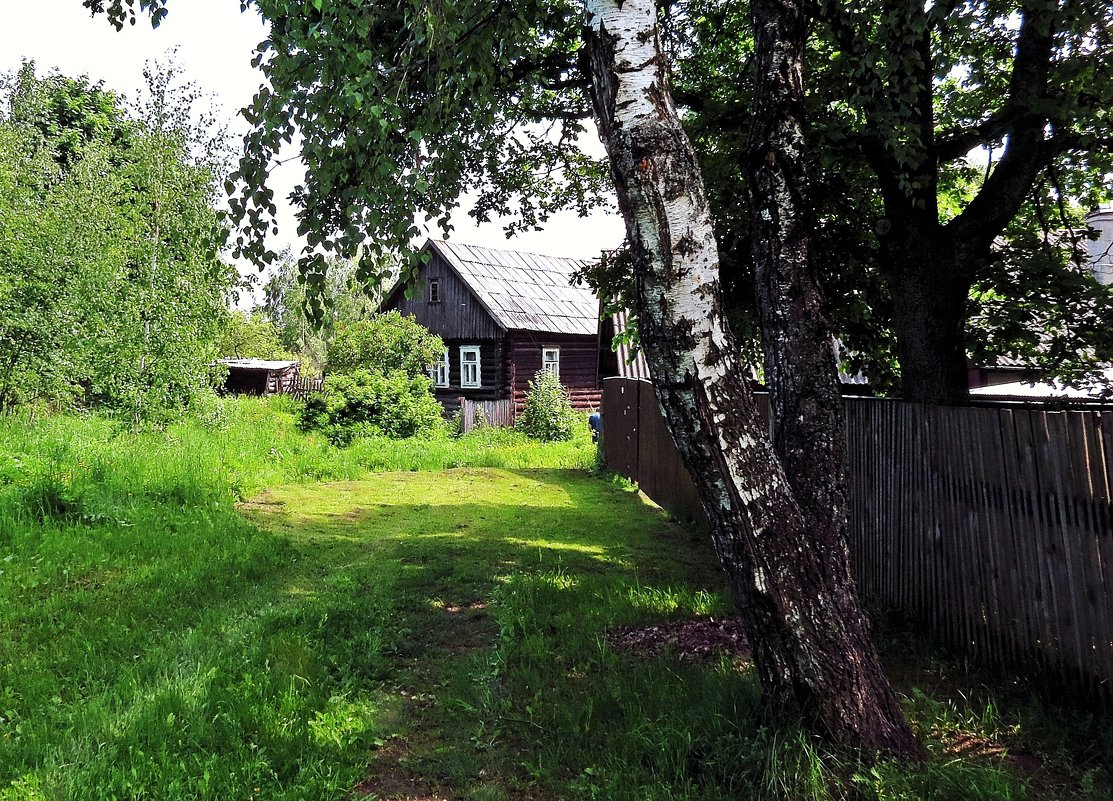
[1026, 152]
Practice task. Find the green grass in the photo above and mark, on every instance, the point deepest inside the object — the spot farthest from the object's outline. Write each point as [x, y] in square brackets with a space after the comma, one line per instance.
[389, 634]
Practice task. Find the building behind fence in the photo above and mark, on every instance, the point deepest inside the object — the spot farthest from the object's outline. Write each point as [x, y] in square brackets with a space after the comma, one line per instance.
[992, 526]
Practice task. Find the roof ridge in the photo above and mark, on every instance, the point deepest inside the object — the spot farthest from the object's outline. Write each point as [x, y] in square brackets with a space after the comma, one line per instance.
[455, 243]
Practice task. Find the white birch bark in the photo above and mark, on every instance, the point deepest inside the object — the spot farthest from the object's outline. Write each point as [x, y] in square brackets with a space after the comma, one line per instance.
[809, 637]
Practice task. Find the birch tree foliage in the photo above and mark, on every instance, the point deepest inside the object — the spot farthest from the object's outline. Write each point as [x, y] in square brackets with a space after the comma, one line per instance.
[111, 283]
[395, 128]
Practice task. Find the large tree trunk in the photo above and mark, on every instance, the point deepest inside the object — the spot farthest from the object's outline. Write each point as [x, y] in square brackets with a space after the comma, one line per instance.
[800, 362]
[930, 265]
[929, 290]
[810, 642]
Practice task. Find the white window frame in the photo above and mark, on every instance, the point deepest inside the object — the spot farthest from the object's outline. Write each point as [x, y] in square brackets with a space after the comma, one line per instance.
[465, 366]
[552, 363]
[434, 290]
[440, 371]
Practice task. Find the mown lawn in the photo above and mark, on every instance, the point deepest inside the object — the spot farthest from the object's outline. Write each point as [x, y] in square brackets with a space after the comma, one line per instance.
[172, 628]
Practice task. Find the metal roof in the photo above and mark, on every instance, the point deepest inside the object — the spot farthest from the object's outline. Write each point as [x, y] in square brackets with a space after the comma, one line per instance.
[524, 291]
[1096, 388]
[258, 364]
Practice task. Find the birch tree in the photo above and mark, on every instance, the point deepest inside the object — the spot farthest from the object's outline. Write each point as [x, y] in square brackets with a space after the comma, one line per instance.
[787, 559]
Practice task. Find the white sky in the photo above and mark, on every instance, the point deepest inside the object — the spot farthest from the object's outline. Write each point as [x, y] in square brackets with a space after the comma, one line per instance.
[214, 44]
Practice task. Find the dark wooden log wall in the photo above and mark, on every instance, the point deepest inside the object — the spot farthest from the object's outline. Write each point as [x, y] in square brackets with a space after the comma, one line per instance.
[579, 368]
[491, 371]
[458, 316]
[579, 365]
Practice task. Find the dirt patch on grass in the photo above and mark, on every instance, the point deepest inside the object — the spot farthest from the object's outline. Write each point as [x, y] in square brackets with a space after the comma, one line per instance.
[455, 609]
[696, 641]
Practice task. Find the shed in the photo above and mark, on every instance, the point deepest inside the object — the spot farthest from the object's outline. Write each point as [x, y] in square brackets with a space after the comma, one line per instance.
[260, 376]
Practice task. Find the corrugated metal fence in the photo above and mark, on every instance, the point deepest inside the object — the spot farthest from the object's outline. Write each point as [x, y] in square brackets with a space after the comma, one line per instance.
[991, 525]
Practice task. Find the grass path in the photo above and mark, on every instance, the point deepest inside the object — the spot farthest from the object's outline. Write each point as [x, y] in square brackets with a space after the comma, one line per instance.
[457, 553]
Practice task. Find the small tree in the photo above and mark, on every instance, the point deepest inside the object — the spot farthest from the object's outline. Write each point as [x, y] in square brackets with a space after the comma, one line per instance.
[383, 343]
[548, 414]
[248, 335]
[379, 382]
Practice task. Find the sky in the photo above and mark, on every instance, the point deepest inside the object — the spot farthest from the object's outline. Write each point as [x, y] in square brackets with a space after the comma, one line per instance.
[214, 44]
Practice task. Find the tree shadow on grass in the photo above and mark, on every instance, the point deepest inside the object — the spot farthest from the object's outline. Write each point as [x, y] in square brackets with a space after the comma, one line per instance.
[549, 558]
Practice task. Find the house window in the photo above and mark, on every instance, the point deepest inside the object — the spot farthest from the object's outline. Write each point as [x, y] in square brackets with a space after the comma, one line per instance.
[550, 360]
[434, 290]
[440, 371]
[469, 366]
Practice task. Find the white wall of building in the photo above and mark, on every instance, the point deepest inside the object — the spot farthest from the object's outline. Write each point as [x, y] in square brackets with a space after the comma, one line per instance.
[1101, 249]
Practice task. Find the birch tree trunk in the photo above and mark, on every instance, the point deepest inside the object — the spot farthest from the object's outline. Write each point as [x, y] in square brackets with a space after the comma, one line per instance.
[810, 640]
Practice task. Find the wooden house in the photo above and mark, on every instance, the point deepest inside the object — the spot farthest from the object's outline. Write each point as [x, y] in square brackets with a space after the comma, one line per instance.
[503, 315]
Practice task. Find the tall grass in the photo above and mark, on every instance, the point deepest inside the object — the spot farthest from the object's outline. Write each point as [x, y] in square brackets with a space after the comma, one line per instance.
[155, 644]
[73, 466]
[450, 628]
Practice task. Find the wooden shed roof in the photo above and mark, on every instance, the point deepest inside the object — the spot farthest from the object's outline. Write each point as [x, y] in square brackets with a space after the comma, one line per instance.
[524, 291]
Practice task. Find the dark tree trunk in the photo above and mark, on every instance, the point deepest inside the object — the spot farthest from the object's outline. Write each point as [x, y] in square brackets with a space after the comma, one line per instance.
[790, 573]
[930, 266]
[800, 362]
[929, 289]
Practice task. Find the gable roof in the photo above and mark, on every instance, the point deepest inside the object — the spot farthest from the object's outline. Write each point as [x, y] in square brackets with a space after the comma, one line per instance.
[524, 291]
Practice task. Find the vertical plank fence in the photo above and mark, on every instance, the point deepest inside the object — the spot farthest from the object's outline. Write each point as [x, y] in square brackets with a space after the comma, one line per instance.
[992, 526]
[304, 386]
[475, 413]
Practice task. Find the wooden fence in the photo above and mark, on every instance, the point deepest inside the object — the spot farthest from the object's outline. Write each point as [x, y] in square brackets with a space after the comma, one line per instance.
[485, 413]
[304, 386]
[992, 526]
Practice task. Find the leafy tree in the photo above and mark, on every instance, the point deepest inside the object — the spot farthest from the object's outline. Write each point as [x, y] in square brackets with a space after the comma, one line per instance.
[345, 301]
[1030, 298]
[378, 381]
[154, 335]
[69, 114]
[250, 335]
[1028, 79]
[54, 238]
[369, 402]
[385, 343]
[118, 291]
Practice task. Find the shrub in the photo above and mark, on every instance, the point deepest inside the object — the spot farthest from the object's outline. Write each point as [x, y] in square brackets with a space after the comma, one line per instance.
[393, 404]
[548, 414]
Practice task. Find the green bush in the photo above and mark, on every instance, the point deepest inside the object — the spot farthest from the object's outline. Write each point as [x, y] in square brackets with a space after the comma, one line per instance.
[367, 402]
[548, 414]
[384, 343]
